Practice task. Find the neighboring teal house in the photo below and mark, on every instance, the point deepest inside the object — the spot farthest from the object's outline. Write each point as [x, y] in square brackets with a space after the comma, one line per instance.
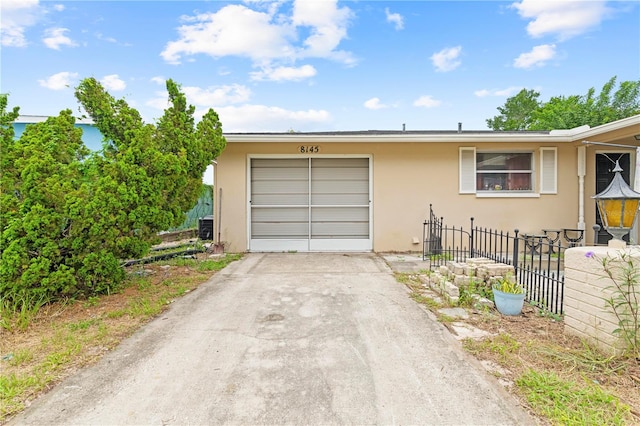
[91, 136]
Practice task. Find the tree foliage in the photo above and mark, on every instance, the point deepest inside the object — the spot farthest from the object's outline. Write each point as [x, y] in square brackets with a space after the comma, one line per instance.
[69, 217]
[524, 112]
[516, 114]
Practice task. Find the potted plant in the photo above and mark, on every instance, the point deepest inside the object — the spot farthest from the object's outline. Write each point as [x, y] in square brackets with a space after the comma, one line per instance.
[508, 295]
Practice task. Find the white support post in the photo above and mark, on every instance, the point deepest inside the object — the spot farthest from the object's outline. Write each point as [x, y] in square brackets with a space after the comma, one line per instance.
[582, 165]
[636, 187]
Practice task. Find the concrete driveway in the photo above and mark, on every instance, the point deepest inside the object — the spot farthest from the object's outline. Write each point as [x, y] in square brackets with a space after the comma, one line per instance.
[300, 339]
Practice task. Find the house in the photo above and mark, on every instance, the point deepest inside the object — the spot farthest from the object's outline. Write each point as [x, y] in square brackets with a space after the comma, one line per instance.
[91, 136]
[371, 190]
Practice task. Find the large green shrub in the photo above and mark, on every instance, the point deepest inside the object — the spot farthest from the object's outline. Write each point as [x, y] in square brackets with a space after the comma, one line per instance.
[70, 217]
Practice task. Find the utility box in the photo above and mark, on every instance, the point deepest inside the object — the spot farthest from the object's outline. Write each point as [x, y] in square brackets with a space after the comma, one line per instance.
[205, 228]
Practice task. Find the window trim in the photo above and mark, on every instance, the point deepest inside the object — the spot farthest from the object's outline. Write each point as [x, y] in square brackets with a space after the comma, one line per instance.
[531, 171]
[546, 184]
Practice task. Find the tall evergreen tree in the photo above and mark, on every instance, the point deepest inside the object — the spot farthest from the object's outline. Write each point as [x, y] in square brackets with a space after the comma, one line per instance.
[70, 216]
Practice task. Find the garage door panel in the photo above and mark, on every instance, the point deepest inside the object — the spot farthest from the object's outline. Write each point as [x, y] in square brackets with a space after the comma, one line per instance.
[340, 163]
[280, 187]
[280, 199]
[340, 230]
[340, 174]
[280, 163]
[344, 186]
[259, 174]
[280, 215]
[340, 199]
[281, 230]
[342, 214]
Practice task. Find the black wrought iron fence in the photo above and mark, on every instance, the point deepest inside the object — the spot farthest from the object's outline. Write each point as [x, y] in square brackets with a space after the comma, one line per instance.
[537, 261]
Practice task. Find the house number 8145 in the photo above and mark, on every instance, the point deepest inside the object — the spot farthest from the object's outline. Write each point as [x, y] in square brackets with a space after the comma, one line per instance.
[309, 149]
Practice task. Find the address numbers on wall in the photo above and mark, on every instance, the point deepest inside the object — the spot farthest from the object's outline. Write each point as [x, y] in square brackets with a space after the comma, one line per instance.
[309, 149]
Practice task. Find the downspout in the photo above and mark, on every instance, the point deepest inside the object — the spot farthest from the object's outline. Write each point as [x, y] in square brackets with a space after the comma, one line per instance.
[582, 166]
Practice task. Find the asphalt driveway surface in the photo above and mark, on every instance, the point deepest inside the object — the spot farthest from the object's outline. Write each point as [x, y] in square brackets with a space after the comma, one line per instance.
[291, 338]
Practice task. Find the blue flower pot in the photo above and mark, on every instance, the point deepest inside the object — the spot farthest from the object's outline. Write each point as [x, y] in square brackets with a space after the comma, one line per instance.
[508, 303]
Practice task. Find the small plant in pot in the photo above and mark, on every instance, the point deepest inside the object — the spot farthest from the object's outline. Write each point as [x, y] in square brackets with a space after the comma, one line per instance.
[508, 295]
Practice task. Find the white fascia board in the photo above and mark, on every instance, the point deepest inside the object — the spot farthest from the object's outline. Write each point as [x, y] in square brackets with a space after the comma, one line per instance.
[629, 122]
[397, 138]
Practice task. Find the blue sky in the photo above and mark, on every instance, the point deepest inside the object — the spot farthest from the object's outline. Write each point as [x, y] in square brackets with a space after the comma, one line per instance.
[317, 65]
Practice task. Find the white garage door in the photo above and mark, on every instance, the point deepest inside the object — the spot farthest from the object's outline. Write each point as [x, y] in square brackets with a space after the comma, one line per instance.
[310, 204]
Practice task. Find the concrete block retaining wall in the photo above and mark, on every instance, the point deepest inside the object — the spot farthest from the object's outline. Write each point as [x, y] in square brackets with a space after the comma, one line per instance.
[586, 289]
[448, 279]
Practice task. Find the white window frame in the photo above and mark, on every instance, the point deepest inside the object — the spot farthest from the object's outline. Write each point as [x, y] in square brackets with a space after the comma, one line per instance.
[548, 164]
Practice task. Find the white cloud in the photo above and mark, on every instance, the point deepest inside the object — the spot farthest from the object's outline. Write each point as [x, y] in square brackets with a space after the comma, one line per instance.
[55, 37]
[426, 101]
[160, 102]
[233, 30]
[17, 16]
[509, 91]
[102, 37]
[262, 118]
[566, 18]
[59, 81]
[211, 97]
[328, 27]
[374, 103]
[284, 73]
[58, 7]
[113, 82]
[394, 18]
[265, 37]
[158, 79]
[538, 56]
[446, 59]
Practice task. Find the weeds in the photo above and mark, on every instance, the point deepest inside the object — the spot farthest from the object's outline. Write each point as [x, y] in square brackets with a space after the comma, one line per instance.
[586, 359]
[470, 293]
[624, 273]
[144, 307]
[20, 357]
[92, 301]
[17, 315]
[410, 280]
[429, 302]
[504, 346]
[571, 403]
[445, 319]
[441, 257]
[83, 324]
[544, 312]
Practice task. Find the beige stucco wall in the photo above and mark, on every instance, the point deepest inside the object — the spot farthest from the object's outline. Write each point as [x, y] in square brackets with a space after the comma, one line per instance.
[407, 177]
